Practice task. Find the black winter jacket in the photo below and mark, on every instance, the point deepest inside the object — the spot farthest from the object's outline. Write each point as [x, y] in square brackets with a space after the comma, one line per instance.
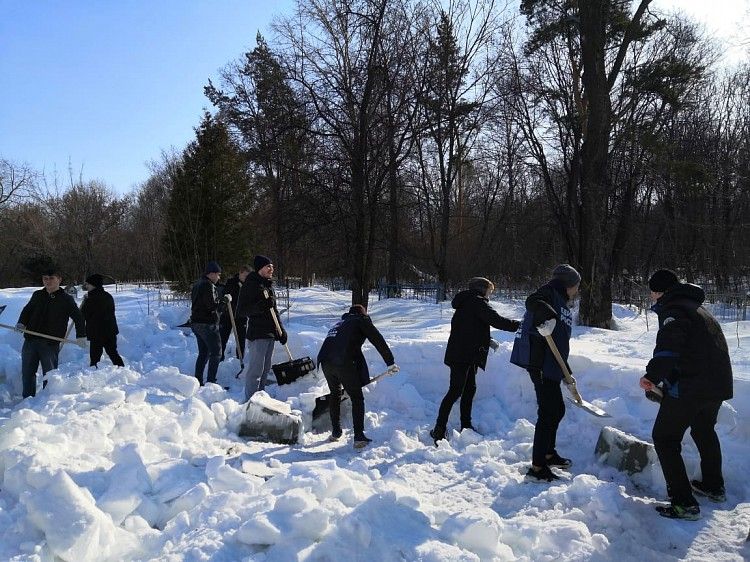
[547, 302]
[691, 353]
[98, 310]
[48, 313]
[469, 341]
[232, 287]
[343, 345]
[206, 307]
[254, 305]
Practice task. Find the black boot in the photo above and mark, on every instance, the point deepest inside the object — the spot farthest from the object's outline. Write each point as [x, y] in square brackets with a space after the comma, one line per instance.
[437, 434]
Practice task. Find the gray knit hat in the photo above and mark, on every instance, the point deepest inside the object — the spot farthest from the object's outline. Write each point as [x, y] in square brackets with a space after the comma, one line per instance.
[567, 274]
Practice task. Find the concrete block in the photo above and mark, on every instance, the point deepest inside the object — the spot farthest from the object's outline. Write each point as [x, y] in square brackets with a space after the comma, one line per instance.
[624, 451]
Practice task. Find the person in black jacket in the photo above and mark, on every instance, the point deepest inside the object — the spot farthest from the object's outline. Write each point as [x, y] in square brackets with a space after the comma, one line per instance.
[47, 312]
[204, 321]
[232, 287]
[692, 367]
[257, 300]
[98, 310]
[547, 312]
[468, 345]
[344, 364]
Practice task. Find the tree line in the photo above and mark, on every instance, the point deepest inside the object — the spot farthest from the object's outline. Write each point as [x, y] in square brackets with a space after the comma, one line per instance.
[397, 140]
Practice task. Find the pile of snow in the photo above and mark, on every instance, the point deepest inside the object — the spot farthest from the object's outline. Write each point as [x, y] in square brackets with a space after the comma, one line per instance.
[141, 462]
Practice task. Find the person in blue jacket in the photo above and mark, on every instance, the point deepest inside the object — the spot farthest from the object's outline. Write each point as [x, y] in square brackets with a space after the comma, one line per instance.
[343, 363]
[547, 310]
[468, 345]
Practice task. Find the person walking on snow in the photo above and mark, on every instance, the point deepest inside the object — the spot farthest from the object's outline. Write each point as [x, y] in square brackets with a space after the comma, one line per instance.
[691, 365]
[204, 321]
[232, 287]
[343, 363]
[47, 312]
[468, 345]
[547, 314]
[98, 309]
[257, 300]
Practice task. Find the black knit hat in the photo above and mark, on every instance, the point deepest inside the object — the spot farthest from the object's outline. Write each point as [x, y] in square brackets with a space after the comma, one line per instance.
[662, 280]
[567, 274]
[212, 267]
[259, 262]
[95, 280]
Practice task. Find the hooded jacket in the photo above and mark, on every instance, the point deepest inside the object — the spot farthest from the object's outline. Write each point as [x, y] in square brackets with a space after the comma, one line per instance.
[343, 344]
[469, 341]
[691, 355]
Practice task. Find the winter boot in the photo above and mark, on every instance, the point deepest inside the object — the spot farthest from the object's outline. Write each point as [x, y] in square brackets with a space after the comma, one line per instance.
[717, 495]
[437, 434]
[361, 441]
[336, 434]
[556, 460]
[544, 474]
[675, 511]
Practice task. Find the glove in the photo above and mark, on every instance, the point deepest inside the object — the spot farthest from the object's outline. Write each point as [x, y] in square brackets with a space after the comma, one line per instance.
[570, 382]
[226, 299]
[547, 327]
[515, 324]
[494, 344]
[20, 326]
[283, 337]
[393, 369]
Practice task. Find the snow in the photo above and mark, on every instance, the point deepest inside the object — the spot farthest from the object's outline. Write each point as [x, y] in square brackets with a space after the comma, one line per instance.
[141, 463]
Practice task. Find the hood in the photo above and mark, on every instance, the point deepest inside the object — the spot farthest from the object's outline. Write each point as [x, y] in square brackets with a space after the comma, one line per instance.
[463, 297]
[683, 291]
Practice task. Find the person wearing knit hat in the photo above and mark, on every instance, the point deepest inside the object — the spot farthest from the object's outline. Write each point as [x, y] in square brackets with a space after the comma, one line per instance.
[468, 345]
[232, 287]
[257, 302]
[98, 310]
[548, 308]
[691, 373]
[204, 321]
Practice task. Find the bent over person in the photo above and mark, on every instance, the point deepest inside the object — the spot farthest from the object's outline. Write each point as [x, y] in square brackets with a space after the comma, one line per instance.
[47, 312]
[468, 345]
[691, 364]
[344, 365]
[98, 310]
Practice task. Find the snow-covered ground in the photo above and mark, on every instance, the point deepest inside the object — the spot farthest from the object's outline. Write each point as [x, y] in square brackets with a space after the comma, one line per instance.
[141, 463]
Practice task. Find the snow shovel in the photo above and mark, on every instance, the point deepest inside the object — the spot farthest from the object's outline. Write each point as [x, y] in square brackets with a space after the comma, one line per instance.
[40, 335]
[293, 369]
[323, 403]
[571, 383]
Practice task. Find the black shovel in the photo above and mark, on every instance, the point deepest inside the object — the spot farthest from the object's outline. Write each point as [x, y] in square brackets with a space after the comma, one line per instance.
[323, 403]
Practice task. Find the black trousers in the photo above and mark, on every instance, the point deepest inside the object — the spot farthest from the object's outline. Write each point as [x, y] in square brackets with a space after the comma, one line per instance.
[463, 385]
[225, 330]
[674, 417]
[348, 377]
[110, 346]
[550, 412]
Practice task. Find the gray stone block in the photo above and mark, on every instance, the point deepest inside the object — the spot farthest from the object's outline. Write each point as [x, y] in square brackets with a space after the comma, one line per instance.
[267, 419]
[624, 451]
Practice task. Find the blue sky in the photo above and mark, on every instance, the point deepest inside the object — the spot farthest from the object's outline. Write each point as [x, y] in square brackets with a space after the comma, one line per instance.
[107, 85]
[104, 86]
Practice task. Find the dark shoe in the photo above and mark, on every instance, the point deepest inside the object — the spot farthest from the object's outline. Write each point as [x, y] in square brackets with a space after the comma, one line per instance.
[361, 441]
[437, 434]
[674, 511]
[336, 434]
[544, 474]
[558, 461]
[718, 495]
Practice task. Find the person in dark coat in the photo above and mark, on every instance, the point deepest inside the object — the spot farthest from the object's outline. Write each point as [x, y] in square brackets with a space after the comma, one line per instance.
[468, 345]
[692, 369]
[47, 312]
[257, 301]
[98, 310]
[232, 287]
[204, 321]
[343, 364]
[547, 312]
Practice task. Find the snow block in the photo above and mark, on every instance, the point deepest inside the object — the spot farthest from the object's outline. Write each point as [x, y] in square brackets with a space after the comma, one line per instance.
[623, 451]
[268, 419]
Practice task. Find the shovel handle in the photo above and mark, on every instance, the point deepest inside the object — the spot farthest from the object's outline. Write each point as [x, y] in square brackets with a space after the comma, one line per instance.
[40, 335]
[278, 326]
[571, 384]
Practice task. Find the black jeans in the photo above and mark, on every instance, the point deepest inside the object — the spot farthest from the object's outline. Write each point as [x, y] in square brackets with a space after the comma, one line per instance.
[209, 350]
[346, 375]
[36, 351]
[225, 330]
[464, 385]
[550, 412]
[674, 417]
[96, 347]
